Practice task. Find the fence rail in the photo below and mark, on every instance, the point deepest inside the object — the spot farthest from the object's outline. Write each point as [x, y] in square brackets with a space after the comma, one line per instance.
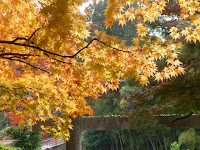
[51, 142]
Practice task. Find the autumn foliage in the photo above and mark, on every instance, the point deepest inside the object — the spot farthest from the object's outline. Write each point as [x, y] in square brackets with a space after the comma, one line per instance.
[48, 67]
[14, 119]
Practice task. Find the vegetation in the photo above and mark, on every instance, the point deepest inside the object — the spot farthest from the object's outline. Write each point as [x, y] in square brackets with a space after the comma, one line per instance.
[179, 95]
[4, 122]
[3, 147]
[27, 140]
[175, 146]
[50, 65]
[96, 18]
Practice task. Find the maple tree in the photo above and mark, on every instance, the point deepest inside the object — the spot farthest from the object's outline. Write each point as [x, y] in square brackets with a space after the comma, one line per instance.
[178, 96]
[48, 67]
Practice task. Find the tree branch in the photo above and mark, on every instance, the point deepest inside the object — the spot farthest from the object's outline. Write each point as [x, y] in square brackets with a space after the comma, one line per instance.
[34, 33]
[111, 46]
[26, 39]
[55, 54]
[35, 47]
[17, 54]
[34, 110]
[61, 61]
[9, 58]
[179, 118]
[19, 38]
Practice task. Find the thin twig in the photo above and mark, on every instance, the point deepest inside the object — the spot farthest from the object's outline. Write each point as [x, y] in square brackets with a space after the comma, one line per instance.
[61, 61]
[9, 58]
[112, 47]
[34, 110]
[19, 38]
[17, 54]
[2, 51]
[33, 34]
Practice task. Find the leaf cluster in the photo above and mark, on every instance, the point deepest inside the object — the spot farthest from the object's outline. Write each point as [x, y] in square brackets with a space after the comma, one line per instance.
[4, 147]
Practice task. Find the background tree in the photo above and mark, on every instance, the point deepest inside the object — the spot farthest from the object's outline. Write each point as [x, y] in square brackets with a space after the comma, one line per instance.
[96, 18]
[4, 122]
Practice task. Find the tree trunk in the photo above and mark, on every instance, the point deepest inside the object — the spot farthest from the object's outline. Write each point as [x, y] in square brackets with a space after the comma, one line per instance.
[151, 142]
[116, 143]
[121, 144]
[156, 143]
[112, 148]
[164, 141]
[159, 142]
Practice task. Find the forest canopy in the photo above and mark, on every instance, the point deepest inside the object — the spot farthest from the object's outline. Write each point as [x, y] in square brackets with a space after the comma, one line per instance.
[50, 64]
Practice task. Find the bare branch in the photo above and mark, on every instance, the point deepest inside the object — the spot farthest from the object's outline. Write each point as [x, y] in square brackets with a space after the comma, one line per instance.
[55, 54]
[61, 61]
[33, 33]
[19, 38]
[180, 118]
[2, 51]
[9, 58]
[17, 54]
[26, 39]
[112, 47]
[35, 47]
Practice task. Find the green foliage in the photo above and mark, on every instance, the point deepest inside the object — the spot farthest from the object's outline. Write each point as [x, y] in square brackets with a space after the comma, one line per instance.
[28, 140]
[190, 52]
[96, 140]
[4, 147]
[3, 134]
[188, 138]
[3, 121]
[97, 19]
[175, 146]
[129, 85]
[105, 106]
[177, 96]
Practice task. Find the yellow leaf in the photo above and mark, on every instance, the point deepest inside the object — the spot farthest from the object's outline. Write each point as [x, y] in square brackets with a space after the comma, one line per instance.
[141, 30]
[173, 29]
[185, 32]
[122, 21]
[180, 70]
[177, 63]
[144, 80]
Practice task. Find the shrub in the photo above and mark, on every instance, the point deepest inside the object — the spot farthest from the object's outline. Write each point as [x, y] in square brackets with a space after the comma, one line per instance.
[4, 147]
[175, 146]
[28, 140]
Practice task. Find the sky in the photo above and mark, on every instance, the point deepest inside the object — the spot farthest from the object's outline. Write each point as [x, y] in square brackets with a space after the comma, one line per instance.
[85, 5]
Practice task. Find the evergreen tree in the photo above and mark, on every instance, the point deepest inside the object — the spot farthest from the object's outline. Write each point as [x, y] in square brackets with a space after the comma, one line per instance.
[97, 22]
